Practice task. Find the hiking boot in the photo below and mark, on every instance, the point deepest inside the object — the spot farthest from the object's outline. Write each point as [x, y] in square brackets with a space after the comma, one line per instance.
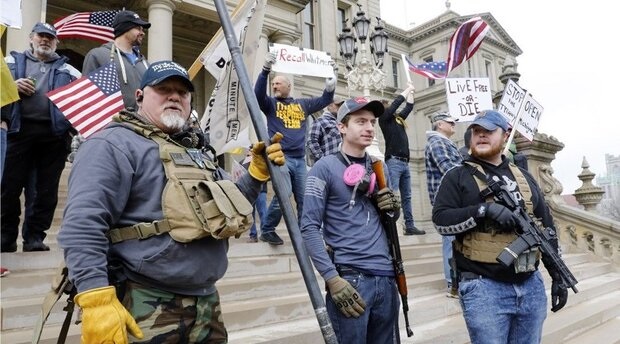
[35, 246]
[414, 231]
[271, 238]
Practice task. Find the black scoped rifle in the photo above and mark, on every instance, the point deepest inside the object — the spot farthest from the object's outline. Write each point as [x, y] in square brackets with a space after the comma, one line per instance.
[530, 237]
[388, 220]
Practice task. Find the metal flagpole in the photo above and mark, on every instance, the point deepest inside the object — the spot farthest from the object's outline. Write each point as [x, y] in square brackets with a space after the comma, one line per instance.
[277, 178]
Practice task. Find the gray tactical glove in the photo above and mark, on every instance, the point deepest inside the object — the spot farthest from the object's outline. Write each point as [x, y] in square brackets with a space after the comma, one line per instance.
[387, 200]
[346, 298]
[270, 59]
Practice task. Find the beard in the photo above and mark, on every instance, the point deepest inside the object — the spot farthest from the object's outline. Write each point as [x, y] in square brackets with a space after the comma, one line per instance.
[495, 150]
[173, 122]
[44, 51]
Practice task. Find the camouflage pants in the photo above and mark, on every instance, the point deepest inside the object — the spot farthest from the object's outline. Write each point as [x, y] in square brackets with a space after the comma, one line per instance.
[166, 318]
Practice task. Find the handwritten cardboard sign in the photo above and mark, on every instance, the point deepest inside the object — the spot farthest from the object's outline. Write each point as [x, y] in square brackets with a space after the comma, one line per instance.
[468, 96]
[301, 61]
[518, 104]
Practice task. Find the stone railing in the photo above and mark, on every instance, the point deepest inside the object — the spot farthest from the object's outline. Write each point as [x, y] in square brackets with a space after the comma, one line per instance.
[579, 229]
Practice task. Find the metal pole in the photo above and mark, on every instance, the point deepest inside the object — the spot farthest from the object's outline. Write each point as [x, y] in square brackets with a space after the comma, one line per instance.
[277, 178]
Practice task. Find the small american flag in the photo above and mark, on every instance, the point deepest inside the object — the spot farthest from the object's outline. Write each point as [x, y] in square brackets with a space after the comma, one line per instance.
[465, 41]
[90, 101]
[431, 70]
[88, 25]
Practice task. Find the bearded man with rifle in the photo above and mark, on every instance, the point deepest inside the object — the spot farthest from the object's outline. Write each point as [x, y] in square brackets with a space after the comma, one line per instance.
[491, 207]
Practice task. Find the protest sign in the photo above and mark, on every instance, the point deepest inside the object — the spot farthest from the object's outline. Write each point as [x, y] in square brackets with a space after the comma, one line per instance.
[301, 61]
[468, 96]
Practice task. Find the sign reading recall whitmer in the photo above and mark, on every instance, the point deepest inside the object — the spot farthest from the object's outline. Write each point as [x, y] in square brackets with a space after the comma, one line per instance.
[468, 96]
[518, 103]
[301, 61]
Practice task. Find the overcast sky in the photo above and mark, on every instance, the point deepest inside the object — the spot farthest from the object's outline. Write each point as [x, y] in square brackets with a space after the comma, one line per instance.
[567, 64]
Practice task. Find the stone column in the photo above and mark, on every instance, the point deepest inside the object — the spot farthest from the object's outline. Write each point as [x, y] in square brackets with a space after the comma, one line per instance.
[19, 39]
[540, 153]
[160, 33]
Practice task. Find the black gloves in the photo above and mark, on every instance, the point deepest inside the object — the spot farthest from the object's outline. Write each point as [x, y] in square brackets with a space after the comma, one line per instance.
[559, 292]
[499, 213]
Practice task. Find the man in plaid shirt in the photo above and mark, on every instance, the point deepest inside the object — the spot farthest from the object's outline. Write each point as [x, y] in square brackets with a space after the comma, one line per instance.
[324, 138]
[441, 155]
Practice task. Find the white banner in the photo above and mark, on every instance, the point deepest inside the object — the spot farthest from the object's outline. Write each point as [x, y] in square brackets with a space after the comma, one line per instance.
[519, 105]
[301, 61]
[11, 13]
[226, 118]
[468, 96]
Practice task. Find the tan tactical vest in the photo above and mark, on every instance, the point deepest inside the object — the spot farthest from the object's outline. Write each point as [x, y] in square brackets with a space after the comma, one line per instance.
[195, 205]
[485, 244]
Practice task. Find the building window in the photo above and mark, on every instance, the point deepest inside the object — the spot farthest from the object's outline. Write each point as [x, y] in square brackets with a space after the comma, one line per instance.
[431, 82]
[395, 71]
[307, 16]
[340, 18]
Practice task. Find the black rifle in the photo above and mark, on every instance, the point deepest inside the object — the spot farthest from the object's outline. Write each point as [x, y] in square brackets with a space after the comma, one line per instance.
[388, 220]
[530, 237]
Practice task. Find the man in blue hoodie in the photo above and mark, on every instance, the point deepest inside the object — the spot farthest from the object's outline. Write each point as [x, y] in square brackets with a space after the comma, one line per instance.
[38, 138]
[287, 115]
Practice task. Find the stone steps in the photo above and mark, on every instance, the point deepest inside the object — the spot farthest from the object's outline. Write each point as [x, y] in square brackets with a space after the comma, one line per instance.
[264, 298]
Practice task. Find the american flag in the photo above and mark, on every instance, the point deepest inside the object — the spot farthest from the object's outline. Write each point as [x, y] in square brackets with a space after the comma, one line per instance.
[466, 41]
[431, 70]
[90, 101]
[88, 25]
[463, 44]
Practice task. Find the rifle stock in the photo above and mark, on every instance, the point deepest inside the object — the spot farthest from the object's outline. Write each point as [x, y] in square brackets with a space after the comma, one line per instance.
[531, 237]
[388, 220]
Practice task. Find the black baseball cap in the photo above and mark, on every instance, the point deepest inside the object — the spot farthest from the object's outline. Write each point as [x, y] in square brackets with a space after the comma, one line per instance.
[126, 20]
[354, 104]
[162, 70]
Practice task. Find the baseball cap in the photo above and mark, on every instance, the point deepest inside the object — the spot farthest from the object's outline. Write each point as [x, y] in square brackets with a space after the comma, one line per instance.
[354, 104]
[44, 28]
[490, 120]
[126, 20]
[443, 116]
[162, 70]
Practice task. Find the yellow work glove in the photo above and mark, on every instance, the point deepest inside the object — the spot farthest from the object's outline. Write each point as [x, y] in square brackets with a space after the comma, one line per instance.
[258, 166]
[346, 298]
[104, 319]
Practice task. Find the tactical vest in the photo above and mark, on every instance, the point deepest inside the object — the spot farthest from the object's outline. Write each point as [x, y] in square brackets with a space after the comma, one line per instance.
[485, 242]
[194, 204]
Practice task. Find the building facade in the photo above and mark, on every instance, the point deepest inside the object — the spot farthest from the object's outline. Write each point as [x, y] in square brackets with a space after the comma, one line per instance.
[182, 28]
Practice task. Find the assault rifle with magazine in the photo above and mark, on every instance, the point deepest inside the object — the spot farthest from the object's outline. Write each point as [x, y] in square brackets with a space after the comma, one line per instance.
[530, 236]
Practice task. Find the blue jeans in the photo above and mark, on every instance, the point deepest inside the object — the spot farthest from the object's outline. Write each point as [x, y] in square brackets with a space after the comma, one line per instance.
[297, 171]
[261, 206]
[400, 179]
[497, 312]
[446, 242]
[2, 150]
[379, 322]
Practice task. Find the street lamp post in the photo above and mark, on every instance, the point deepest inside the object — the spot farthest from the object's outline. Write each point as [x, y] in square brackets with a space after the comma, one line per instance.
[365, 74]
